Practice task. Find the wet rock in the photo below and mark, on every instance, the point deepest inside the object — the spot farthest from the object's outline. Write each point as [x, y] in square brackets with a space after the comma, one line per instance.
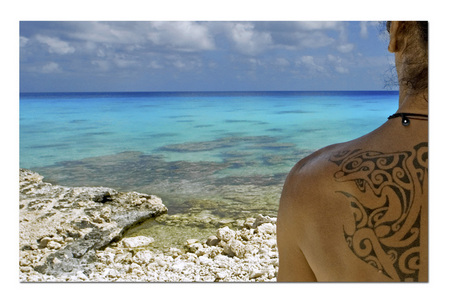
[225, 234]
[71, 223]
[212, 241]
[223, 222]
[53, 245]
[260, 219]
[175, 252]
[143, 257]
[267, 228]
[236, 248]
[249, 222]
[138, 241]
[193, 245]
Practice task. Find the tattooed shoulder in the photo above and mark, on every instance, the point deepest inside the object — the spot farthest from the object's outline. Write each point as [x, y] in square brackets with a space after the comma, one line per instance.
[385, 206]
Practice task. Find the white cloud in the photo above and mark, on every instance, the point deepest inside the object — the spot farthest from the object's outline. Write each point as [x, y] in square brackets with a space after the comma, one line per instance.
[364, 33]
[101, 52]
[254, 62]
[314, 40]
[123, 62]
[134, 36]
[155, 65]
[249, 41]
[305, 34]
[337, 64]
[109, 32]
[366, 25]
[341, 70]
[23, 41]
[51, 67]
[179, 64]
[345, 48]
[320, 25]
[184, 36]
[281, 62]
[333, 58]
[182, 63]
[103, 65]
[55, 45]
[321, 34]
[309, 62]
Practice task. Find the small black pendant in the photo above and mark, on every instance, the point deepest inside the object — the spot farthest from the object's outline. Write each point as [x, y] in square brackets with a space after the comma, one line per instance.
[405, 121]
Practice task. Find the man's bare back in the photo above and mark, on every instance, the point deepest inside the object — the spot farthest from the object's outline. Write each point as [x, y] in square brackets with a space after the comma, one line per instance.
[357, 211]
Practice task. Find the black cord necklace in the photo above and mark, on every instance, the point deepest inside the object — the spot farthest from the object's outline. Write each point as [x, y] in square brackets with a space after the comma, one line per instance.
[405, 119]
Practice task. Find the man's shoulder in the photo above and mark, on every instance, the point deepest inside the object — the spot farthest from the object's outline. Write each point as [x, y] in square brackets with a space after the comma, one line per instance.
[312, 182]
[312, 176]
[318, 163]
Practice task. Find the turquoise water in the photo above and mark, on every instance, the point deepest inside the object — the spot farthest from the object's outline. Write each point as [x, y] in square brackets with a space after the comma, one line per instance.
[226, 152]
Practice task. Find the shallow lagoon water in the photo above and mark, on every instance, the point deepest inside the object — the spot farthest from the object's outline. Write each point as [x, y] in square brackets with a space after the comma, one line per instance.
[227, 153]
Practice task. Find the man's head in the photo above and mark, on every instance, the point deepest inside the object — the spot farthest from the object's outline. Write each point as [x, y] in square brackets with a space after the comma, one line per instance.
[409, 41]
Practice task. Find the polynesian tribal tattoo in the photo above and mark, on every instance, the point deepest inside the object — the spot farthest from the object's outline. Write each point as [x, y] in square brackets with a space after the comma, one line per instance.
[387, 217]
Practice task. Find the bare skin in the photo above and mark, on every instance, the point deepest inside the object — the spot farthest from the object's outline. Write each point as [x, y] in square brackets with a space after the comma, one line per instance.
[357, 211]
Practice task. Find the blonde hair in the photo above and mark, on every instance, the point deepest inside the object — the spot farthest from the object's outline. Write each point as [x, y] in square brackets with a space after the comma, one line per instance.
[415, 47]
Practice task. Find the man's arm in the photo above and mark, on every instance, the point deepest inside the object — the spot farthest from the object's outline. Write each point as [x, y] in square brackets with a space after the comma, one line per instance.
[293, 265]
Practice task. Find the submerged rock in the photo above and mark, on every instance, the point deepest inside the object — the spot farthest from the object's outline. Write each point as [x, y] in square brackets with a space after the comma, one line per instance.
[68, 224]
[138, 241]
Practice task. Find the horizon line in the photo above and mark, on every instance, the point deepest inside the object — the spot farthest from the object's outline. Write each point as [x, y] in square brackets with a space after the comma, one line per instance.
[204, 91]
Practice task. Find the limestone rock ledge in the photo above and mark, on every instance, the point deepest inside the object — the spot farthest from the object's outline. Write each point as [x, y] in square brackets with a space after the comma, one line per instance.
[67, 225]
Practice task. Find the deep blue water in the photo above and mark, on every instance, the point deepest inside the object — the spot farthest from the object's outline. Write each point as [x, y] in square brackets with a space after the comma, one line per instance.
[226, 137]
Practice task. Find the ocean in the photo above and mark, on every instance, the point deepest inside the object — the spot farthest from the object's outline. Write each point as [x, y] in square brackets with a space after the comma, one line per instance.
[225, 153]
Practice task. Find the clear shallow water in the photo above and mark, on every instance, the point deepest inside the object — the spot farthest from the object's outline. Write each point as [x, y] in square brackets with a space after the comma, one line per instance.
[225, 152]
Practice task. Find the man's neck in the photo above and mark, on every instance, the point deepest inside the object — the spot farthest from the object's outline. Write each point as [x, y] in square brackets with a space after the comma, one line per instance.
[413, 102]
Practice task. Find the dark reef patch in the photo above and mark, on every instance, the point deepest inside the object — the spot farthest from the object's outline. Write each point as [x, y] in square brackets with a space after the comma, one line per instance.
[298, 111]
[241, 177]
[232, 141]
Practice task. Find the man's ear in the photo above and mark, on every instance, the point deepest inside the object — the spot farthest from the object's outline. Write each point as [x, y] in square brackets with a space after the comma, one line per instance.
[393, 32]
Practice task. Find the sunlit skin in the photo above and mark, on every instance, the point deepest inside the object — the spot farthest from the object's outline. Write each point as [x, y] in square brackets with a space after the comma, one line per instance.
[357, 211]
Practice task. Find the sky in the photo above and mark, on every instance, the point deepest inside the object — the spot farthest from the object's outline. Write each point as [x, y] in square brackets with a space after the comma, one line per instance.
[87, 56]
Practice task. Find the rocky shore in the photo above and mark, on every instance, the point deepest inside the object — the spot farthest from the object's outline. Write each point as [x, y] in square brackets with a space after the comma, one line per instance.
[79, 234]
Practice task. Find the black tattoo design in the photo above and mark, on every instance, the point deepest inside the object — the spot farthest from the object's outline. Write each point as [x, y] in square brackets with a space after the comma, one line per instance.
[387, 229]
